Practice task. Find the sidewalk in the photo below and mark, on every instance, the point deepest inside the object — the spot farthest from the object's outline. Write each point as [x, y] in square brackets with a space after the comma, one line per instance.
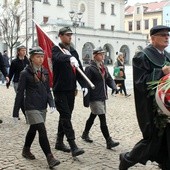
[121, 122]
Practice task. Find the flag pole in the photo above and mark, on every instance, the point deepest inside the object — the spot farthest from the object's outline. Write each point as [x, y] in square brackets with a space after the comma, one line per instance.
[77, 68]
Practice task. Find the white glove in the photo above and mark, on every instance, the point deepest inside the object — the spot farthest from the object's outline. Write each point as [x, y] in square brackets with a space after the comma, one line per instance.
[15, 120]
[52, 109]
[74, 62]
[85, 91]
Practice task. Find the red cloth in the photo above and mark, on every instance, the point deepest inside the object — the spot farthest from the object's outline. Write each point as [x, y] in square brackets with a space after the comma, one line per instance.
[46, 44]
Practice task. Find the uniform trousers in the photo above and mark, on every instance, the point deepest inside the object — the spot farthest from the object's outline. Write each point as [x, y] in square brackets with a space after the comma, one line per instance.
[64, 102]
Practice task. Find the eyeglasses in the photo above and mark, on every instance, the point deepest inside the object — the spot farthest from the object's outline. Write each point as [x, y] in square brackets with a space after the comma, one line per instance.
[162, 34]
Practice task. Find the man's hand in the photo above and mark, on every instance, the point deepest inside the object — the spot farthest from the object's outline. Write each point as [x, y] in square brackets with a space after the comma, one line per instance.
[7, 79]
[166, 70]
[74, 62]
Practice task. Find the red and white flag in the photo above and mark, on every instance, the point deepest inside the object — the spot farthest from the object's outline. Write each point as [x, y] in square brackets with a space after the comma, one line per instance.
[46, 44]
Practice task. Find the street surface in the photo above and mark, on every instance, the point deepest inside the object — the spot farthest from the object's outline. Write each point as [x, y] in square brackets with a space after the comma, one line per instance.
[121, 121]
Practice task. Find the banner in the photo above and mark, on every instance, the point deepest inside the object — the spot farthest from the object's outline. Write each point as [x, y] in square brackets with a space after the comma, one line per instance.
[46, 44]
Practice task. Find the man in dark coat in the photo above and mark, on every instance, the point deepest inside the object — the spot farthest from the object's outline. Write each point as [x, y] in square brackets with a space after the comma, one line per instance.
[3, 70]
[65, 59]
[148, 65]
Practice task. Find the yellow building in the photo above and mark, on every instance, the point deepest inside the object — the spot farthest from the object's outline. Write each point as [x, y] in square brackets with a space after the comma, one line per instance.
[143, 16]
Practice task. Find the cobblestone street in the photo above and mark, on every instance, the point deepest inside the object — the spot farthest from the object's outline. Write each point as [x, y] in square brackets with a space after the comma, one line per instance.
[121, 122]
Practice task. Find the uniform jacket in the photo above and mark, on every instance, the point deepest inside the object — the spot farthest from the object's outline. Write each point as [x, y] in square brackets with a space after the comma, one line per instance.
[37, 94]
[16, 67]
[64, 78]
[95, 75]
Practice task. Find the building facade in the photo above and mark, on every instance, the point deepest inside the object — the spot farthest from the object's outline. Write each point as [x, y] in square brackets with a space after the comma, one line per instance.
[141, 17]
[95, 23]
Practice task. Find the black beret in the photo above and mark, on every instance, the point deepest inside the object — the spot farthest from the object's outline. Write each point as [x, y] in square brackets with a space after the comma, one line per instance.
[65, 30]
[98, 50]
[158, 28]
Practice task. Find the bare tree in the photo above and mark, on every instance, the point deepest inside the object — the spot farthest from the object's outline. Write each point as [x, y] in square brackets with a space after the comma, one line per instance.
[11, 20]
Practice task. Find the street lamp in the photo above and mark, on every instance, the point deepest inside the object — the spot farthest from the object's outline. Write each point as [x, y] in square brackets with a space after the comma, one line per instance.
[76, 19]
[33, 21]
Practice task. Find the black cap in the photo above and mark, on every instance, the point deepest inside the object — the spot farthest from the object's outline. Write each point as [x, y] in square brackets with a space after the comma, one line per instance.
[36, 50]
[98, 50]
[158, 28]
[21, 47]
[65, 30]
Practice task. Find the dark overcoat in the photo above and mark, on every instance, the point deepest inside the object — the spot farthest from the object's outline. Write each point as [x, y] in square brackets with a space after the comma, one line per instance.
[147, 67]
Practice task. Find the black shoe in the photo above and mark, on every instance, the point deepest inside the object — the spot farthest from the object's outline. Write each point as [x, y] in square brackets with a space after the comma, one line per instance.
[127, 95]
[26, 153]
[74, 149]
[1, 121]
[62, 147]
[85, 137]
[111, 144]
[124, 162]
[77, 152]
[52, 162]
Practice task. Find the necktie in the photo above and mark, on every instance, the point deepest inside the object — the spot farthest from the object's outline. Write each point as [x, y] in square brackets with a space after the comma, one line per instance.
[102, 69]
[39, 74]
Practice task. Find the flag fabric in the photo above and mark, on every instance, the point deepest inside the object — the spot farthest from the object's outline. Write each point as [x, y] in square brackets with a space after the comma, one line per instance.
[46, 44]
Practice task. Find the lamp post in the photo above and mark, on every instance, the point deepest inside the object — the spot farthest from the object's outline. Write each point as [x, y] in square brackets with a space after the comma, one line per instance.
[76, 19]
[33, 21]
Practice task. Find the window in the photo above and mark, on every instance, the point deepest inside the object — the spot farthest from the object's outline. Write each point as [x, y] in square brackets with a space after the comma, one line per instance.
[112, 27]
[45, 2]
[102, 26]
[5, 2]
[45, 20]
[138, 10]
[154, 22]
[102, 7]
[112, 9]
[130, 25]
[146, 24]
[138, 25]
[59, 3]
[17, 2]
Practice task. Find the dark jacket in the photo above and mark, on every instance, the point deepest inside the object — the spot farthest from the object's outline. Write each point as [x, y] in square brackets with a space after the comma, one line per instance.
[2, 66]
[6, 60]
[16, 67]
[94, 74]
[37, 94]
[64, 79]
[147, 67]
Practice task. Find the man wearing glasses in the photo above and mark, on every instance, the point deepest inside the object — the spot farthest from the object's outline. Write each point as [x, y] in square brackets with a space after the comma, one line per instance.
[65, 59]
[150, 64]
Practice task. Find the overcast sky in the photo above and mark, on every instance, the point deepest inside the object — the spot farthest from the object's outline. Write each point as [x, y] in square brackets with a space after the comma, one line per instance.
[132, 2]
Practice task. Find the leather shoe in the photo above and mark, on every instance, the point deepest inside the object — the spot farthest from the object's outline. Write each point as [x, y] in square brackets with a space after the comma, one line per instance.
[62, 147]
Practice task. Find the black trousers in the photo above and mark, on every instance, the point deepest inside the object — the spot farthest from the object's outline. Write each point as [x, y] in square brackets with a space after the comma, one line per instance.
[103, 125]
[157, 148]
[43, 140]
[64, 102]
[122, 87]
